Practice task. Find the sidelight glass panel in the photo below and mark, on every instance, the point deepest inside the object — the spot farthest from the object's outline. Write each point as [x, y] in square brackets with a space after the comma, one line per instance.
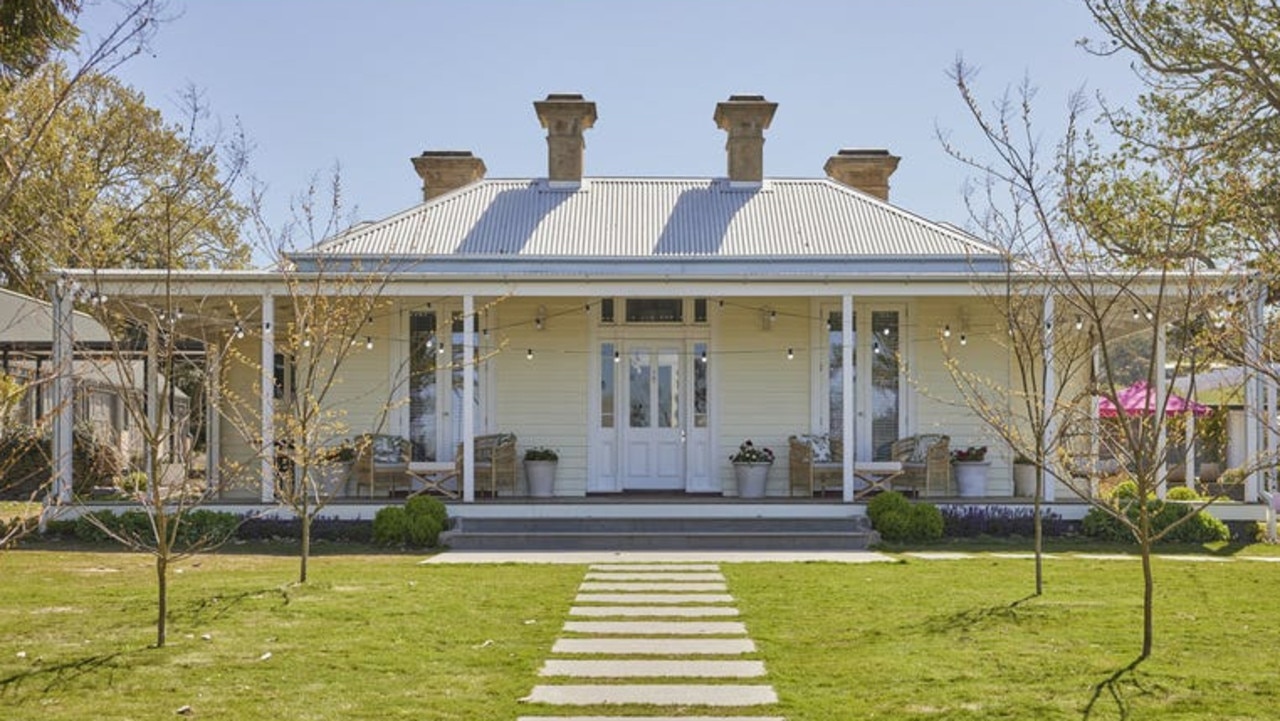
[835, 372]
[423, 354]
[641, 403]
[607, 383]
[458, 356]
[668, 389]
[700, 392]
[884, 382]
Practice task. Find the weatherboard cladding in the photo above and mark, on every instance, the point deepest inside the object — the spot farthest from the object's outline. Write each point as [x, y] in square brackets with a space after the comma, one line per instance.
[662, 219]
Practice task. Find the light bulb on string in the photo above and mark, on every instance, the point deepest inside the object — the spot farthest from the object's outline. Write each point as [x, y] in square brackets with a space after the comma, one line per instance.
[964, 340]
[1079, 323]
[791, 354]
[368, 342]
[238, 331]
[875, 347]
[946, 331]
[528, 355]
[617, 357]
[1136, 315]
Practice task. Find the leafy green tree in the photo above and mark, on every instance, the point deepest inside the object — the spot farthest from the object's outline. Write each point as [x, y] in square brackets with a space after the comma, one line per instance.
[106, 177]
[31, 31]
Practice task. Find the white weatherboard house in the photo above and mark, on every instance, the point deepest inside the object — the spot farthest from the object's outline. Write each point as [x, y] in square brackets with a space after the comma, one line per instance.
[642, 327]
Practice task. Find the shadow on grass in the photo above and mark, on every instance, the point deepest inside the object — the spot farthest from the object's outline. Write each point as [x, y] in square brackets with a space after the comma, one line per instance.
[975, 617]
[60, 675]
[216, 607]
[1114, 687]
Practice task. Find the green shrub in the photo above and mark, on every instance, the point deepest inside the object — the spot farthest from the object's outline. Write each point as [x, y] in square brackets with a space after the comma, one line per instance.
[883, 502]
[909, 522]
[26, 463]
[1200, 528]
[1182, 493]
[390, 526]
[417, 524]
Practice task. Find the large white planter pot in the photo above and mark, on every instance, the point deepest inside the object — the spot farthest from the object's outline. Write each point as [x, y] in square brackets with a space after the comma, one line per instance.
[541, 476]
[751, 478]
[1024, 480]
[971, 478]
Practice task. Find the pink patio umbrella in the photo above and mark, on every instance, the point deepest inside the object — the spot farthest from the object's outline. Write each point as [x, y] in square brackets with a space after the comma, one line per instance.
[1139, 398]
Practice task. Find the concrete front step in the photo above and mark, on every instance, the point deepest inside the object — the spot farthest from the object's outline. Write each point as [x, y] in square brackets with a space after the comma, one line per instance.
[659, 524]
[615, 668]
[460, 540]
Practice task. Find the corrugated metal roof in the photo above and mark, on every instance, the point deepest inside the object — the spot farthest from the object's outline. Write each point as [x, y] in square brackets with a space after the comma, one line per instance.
[661, 219]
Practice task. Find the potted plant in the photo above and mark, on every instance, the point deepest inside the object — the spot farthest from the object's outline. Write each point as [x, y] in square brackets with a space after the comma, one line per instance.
[1024, 476]
[540, 471]
[333, 467]
[971, 466]
[751, 469]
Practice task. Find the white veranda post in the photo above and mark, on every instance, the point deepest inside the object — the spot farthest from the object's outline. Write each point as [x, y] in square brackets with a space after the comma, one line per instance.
[268, 381]
[846, 390]
[468, 399]
[1050, 390]
[63, 393]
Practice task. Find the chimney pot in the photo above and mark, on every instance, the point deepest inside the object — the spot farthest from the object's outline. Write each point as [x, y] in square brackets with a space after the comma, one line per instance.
[443, 171]
[867, 169]
[565, 116]
[745, 118]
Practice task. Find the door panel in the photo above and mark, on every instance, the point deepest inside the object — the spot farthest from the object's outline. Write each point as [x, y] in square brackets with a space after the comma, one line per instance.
[655, 439]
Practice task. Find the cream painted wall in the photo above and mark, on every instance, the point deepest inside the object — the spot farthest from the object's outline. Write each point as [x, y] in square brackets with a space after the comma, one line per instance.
[544, 400]
[939, 405]
[758, 393]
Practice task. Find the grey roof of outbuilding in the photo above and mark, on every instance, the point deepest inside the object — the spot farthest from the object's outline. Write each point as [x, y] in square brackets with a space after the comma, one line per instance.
[658, 219]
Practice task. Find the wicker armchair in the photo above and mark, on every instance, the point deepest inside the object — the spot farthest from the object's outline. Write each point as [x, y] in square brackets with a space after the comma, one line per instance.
[926, 463]
[495, 456]
[381, 457]
[809, 472]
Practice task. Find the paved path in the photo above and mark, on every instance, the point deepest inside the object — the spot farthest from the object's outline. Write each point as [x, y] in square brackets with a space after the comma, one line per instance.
[664, 660]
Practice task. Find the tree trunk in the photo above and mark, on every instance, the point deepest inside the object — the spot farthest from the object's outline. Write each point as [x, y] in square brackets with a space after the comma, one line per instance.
[306, 546]
[162, 598]
[1148, 600]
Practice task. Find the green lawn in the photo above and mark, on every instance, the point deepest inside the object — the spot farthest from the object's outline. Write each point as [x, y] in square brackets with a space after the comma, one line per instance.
[377, 636]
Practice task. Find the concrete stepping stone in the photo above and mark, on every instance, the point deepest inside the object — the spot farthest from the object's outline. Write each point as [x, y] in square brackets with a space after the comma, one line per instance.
[655, 646]
[654, 598]
[642, 586]
[654, 576]
[654, 694]
[614, 668]
[673, 611]
[654, 567]
[658, 628]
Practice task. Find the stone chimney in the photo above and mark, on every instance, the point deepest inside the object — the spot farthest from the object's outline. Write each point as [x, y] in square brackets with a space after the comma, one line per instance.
[745, 118]
[445, 170]
[867, 170]
[565, 116]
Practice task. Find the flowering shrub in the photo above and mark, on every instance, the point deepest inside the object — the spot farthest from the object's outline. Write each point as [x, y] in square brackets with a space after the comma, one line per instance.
[972, 453]
[749, 453]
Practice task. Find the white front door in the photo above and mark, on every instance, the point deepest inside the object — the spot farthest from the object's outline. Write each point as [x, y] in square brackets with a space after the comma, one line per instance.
[654, 434]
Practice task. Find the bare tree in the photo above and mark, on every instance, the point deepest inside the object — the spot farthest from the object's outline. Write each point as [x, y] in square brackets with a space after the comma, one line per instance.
[1072, 293]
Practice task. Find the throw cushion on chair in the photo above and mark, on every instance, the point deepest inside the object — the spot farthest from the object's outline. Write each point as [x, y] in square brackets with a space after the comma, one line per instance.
[386, 450]
[920, 453]
[820, 446]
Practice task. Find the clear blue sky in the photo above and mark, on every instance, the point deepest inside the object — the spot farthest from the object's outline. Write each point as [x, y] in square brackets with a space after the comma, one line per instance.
[368, 84]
